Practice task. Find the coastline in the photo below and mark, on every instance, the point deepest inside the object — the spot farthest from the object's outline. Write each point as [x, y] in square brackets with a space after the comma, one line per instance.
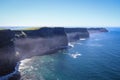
[62, 37]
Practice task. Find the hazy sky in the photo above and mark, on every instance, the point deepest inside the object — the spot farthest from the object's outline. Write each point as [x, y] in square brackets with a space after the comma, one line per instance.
[59, 12]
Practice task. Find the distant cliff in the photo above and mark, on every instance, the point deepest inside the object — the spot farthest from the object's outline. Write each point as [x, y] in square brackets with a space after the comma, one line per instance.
[74, 34]
[94, 30]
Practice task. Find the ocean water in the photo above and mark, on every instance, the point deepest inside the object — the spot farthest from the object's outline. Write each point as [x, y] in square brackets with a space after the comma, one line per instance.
[96, 58]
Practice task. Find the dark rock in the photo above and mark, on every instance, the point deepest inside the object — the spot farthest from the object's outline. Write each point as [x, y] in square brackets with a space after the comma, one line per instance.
[15, 76]
[6, 37]
[8, 59]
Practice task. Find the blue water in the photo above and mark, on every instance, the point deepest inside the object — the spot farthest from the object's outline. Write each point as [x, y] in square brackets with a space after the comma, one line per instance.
[96, 58]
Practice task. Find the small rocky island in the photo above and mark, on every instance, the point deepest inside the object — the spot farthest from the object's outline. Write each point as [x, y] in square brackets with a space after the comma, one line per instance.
[16, 45]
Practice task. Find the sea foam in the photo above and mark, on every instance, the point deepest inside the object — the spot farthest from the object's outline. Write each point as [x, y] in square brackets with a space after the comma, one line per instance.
[75, 55]
[70, 45]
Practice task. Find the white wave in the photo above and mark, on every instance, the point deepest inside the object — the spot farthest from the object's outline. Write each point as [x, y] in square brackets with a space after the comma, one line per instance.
[82, 39]
[70, 45]
[75, 55]
[23, 64]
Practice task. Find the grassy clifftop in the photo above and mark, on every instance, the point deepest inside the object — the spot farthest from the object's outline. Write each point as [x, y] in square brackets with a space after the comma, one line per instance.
[31, 28]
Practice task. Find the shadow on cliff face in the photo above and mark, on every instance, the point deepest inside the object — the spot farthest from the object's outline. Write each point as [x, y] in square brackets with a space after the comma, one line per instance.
[28, 47]
[8, 58]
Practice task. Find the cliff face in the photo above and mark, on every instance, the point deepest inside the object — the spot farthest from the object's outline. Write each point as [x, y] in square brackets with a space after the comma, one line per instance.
[38, 42]
[95, 30]
[74, 34]
[6, 37]
[8, 59]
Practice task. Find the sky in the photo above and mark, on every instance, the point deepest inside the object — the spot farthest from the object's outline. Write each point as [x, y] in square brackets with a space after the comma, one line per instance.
[78, 13]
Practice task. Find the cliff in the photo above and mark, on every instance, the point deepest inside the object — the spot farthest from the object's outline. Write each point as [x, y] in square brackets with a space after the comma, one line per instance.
[38, 42]
[42, 32]
[96, 30]
[74, 34]
[20, 44]
[16, 45]
[6, 37]
[8, 59]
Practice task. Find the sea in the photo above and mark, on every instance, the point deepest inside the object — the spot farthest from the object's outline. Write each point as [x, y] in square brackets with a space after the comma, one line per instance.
[94, 58]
